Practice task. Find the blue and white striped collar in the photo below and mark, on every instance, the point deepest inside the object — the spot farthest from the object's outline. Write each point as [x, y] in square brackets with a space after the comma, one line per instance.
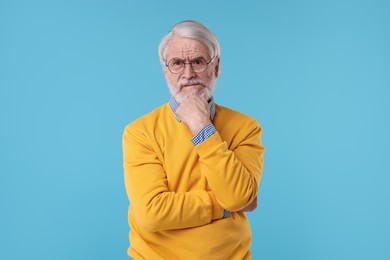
[174, 105]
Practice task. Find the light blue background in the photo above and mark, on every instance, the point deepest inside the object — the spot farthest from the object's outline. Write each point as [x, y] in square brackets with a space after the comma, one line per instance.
[314, 73]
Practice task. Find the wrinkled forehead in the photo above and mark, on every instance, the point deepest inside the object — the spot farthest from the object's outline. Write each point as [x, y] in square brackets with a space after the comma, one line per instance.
[185, 48]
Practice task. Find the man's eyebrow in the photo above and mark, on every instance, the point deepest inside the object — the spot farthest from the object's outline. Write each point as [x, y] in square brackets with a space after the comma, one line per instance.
[177, 58]
[197, 57]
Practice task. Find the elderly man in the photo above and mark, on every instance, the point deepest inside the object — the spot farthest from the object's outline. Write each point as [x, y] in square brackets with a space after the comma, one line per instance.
[192, 168]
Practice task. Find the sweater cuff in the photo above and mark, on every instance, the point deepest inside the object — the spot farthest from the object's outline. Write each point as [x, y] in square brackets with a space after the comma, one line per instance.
[216, 208]
[209, 145]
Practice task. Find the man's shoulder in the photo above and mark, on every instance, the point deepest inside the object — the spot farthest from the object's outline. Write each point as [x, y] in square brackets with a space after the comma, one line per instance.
[151, 118]
[229, 114]
[235, 126]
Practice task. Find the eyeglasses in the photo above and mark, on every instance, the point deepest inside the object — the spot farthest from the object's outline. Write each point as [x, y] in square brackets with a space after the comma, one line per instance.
[177, 65]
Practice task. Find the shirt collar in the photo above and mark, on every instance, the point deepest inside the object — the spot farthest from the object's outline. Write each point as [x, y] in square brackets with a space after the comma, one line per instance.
[174, 105]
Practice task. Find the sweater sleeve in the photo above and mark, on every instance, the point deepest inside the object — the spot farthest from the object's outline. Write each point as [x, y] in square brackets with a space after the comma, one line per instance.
[153, 205]
[233, 175]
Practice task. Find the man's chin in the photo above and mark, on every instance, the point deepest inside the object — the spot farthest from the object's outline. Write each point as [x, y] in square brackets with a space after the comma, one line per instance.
[180, 97]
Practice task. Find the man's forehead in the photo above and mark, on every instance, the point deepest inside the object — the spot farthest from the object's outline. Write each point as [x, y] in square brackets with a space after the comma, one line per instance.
[186, 46]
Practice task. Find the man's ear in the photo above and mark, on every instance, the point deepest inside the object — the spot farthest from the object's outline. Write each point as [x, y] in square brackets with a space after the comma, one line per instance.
[164, 69]
[216, 71]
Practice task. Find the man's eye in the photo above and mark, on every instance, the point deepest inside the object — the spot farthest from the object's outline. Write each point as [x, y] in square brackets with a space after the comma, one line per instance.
[177, 62]
[199, 61]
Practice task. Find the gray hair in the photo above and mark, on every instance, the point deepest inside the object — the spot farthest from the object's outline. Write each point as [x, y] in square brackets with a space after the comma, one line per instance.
[194, 30]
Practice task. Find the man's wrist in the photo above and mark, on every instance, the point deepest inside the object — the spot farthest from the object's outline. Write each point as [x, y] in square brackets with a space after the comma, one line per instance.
[198, 127]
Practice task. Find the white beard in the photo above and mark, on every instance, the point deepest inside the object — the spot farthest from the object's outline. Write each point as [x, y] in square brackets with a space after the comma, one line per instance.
[207, 91]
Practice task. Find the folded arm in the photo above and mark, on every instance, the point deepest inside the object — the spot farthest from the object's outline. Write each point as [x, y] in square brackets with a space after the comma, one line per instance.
[233, 175]
[153, 205]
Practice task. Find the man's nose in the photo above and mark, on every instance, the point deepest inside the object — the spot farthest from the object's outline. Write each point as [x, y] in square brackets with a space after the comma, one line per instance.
[188, 72]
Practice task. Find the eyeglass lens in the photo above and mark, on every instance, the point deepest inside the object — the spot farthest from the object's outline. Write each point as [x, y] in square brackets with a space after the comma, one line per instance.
[177, 65]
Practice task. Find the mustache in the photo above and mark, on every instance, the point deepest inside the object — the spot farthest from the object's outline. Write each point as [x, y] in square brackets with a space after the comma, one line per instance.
[185, 82]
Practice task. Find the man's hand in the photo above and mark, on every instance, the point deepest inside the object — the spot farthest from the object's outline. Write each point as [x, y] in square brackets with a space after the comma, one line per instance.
[194, 111]
[251, 207]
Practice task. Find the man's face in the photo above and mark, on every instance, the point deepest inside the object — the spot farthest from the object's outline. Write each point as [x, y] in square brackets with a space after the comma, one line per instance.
[188, 82]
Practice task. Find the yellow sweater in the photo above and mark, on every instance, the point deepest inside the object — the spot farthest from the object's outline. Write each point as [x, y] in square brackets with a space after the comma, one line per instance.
[178, 191]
